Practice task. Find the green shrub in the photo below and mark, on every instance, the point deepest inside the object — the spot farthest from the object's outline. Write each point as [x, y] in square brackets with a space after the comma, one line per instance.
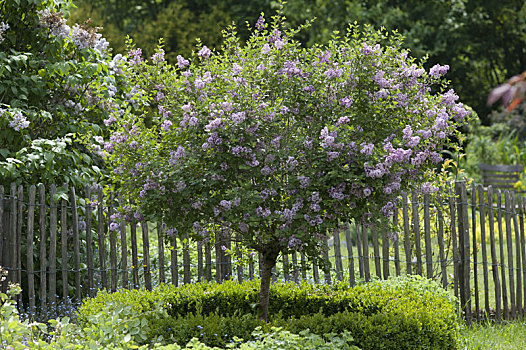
[390, 314]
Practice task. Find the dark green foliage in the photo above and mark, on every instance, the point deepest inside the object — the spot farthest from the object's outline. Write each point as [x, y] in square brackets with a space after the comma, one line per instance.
[400, 313]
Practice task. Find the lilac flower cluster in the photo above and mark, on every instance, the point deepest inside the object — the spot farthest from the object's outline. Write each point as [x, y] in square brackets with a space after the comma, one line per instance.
[18, 121]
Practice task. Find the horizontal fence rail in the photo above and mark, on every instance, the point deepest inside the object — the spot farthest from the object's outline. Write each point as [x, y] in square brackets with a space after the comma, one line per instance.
[62, 245]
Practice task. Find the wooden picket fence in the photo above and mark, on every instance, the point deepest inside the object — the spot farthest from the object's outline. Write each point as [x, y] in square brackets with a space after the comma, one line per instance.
[58, 246]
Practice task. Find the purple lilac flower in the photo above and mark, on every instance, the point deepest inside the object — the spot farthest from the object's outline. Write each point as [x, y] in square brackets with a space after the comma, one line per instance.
[260, 24]
[332, 73]
[346, 101]
[204, 52]
[158, 56]
[366, 49]
[295, 243]
[135, 56]
[182, 62]
[367, 148]
[236, 69]
[171, 232]
[263, 212]
[226, 205]
[279, 44]
[214, 124]
[449, 98]
[265, 49]
[304, 181]
[166, 124]
[109, 121]
[238, 117]
[388, 209]
[438, 70]
[19, 122]
[114, 226]
[343, 120]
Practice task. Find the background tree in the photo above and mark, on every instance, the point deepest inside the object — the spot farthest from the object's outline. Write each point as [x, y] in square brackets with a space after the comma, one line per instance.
[55, 84]
[277, 143]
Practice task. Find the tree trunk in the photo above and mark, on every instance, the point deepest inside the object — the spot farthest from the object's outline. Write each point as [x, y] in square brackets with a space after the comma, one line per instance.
[269, 261]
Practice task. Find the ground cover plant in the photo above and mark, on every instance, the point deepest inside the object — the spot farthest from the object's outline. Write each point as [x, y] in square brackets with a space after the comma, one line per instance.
[276, 143]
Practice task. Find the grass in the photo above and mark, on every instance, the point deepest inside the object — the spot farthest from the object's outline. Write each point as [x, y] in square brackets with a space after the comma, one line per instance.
[501, 336]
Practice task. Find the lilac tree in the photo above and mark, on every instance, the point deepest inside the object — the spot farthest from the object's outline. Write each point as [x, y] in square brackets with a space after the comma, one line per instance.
[278, 143]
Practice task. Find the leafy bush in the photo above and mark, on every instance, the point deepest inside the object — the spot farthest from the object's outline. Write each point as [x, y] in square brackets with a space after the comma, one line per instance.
[381, 314]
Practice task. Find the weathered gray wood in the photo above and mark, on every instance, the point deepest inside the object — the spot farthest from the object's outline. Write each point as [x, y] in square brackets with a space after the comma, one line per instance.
[463, 234]
[43, 249]
[19, 218]
[64, 245]
[427, 237]
[315, 273]
[146, 256]
[502, 257]
[350, 258]
[518, 293]
[365, 247]
[135, 257]
[208, 261]
[53, 245]
[396, 244]
[475, 250]
[89, 241]
[251, 269]
[482, 212]
[187, 278]
[359, 249]
[113, 247]
[3, 233]
[285, 260]
[376, 250]
[385, 251]
[454, 238]
[440, 239]
[295, 270]
[173, 260]
[327, 266]
[523, 252]
[407, 235]
[303, 266]
[240, 258]
[200, 265]
[338, 254]
[29, 243]
[13, 274]
[160, 249]
[76, 241]
[226, 258]
[219, 256]
[494, 261]
[507, 200]
[500, 176]
[101, 237]
[124, 252]
[416, 231]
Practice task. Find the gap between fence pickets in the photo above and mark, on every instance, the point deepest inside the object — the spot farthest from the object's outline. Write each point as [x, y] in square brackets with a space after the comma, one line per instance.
[43, 218]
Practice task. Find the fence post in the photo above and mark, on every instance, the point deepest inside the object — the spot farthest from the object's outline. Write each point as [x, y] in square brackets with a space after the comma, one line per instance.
[464, 250]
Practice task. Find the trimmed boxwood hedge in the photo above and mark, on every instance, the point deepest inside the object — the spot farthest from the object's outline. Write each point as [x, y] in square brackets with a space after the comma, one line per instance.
[399, 313]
